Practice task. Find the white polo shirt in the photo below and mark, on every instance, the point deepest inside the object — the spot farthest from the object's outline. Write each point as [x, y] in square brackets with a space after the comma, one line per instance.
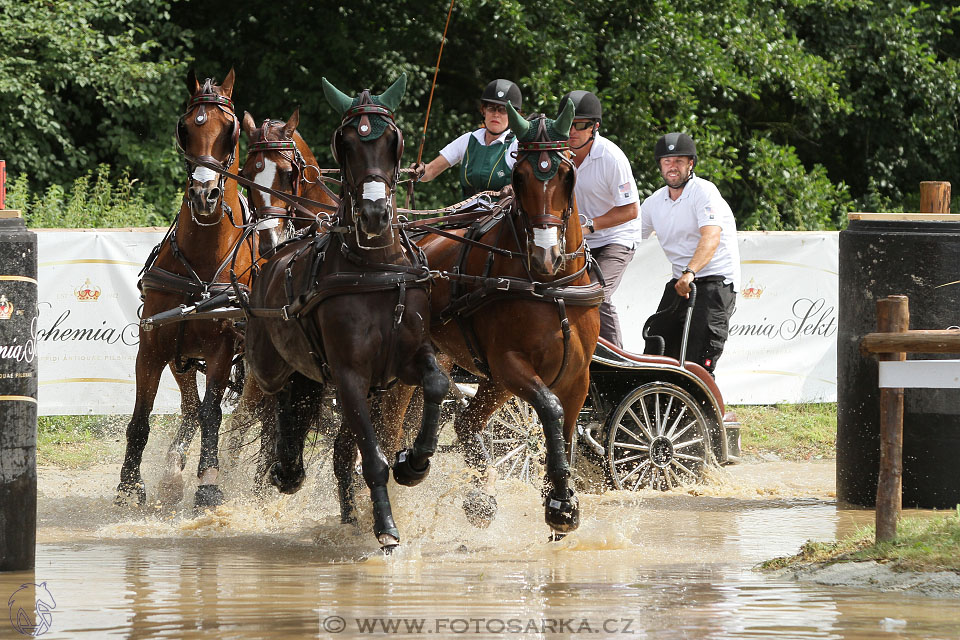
[604, 181]
[677, 224]
[454, 152]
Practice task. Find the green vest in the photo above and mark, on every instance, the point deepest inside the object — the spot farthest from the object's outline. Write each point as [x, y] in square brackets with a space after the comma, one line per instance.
[484, 167]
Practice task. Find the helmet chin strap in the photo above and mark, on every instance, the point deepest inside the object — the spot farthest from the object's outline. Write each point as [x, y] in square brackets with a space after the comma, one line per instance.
[684, 183]
[593, 135]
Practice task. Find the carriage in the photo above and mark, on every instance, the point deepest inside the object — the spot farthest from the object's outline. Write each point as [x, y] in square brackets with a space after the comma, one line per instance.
[618, 440]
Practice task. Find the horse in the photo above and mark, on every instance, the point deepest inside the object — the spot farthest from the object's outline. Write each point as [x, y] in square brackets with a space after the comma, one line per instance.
[191, 264]
[350, 307]
[279, 158]
[519, 309]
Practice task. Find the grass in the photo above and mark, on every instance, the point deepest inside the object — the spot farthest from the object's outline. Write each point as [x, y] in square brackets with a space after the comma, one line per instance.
[922, 544]
[789, 431]
[79, 442]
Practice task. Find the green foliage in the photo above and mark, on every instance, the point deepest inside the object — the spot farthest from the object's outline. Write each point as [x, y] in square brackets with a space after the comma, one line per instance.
[802, 110]
[92, 201]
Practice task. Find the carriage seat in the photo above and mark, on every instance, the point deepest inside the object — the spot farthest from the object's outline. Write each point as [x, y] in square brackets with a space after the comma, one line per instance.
[607, 349]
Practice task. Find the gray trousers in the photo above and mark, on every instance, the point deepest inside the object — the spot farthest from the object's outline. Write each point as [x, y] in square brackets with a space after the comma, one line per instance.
[613, 260]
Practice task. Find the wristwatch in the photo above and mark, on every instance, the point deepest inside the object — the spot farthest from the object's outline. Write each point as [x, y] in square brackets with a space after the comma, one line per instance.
[688, 270]
[590, 225]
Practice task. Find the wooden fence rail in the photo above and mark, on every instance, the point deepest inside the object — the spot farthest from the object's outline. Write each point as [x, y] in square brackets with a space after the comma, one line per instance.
[891, 344]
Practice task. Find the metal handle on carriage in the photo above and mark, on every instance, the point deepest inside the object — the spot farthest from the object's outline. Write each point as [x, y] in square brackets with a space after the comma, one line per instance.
[686, 323]
[210, 308]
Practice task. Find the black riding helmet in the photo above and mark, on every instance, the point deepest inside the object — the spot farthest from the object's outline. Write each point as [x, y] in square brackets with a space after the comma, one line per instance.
[675, 144]
[500, 91]
[585, 104]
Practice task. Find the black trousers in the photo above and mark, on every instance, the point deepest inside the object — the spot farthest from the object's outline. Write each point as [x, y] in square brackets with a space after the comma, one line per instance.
[709, 326]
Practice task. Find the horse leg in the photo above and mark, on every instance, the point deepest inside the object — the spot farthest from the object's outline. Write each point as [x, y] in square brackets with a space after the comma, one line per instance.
[296, 405]
[344, 463]
[218, 370]
[138, 429]
[479, 505]
[243, 417]
[352, 393]
[413, 464]
[171, 484]
[269, 433]
[561, 507]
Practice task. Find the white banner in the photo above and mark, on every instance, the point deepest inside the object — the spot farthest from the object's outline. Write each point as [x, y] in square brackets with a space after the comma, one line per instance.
[782, 345]
[88, 331]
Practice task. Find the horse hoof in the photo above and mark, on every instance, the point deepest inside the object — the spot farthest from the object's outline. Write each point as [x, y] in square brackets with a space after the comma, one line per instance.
[131, 494]
[480, 508]
[556, 537]
[208, 495]
[562, 514]
[284, 485]
[388, 542]
[404, 472]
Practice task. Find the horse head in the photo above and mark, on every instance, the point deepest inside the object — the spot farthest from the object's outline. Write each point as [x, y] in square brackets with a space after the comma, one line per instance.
[275, 159]
[368, 146]
[543, 179]
[208, 131]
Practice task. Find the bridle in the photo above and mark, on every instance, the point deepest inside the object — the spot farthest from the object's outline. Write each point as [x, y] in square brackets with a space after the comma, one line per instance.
[286, 147]
[200, 102]
[548, 150]
[353, 184]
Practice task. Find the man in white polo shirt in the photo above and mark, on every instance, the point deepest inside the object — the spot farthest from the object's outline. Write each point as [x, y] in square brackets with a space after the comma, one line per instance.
[698, 234]
[606, 197]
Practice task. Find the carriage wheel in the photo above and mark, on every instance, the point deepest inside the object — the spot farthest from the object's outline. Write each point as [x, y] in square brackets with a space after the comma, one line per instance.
[513, 441]
[656, 438]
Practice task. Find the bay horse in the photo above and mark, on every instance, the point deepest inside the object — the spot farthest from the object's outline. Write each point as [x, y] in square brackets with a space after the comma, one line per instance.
[520, 311]
[350, 307]
[191, 264]
[279, 158]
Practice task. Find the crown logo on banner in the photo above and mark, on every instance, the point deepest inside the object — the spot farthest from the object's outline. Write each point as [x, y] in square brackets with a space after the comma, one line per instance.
[87, 292]
[752, 290]
[6, 308]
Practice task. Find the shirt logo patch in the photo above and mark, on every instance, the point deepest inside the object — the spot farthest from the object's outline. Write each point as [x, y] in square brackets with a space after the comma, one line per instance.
[625, 189]
[709, 211]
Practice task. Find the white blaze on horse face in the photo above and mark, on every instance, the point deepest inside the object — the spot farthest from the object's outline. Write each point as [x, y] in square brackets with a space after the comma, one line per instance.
[374, 190]
[265, 179]
[202, 174]
[545, 238]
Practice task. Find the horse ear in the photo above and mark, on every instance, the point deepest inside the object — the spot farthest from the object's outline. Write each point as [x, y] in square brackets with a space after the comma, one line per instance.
[518, 124]
[337, 99]
[192, 85]
[292, 122]
[249, 125]
[392, 96]
[227, 85]
[565, 119]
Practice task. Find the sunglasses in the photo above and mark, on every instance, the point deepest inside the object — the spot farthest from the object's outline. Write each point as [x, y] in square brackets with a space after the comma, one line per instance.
[583, 126]
[495, 108]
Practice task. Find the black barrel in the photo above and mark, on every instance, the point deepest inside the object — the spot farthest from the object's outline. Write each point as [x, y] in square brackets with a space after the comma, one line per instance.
[18, 395]
[916, 259]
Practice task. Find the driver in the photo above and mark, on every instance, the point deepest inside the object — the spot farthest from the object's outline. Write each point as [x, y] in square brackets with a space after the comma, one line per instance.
[487, 155]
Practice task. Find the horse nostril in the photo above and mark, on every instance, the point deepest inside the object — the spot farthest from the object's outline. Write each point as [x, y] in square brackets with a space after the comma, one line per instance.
[213, 195]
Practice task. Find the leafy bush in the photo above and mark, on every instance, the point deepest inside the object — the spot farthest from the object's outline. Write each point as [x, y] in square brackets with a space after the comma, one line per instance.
[92, 201]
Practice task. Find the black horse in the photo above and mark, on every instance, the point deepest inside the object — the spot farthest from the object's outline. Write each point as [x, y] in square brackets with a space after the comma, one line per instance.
[350, 307]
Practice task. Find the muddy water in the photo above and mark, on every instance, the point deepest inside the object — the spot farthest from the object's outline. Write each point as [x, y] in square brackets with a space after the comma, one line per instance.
[648, 565]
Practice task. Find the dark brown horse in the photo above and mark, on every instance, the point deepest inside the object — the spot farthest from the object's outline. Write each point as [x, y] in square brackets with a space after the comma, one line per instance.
[190, 264]
[349, 307]
[523, 314]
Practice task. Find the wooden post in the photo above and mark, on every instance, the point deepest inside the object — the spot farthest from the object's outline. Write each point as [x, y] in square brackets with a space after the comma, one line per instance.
[893, 316]
[934, 197]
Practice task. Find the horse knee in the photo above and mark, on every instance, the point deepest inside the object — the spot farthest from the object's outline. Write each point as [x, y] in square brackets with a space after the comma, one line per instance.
[435, 386]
